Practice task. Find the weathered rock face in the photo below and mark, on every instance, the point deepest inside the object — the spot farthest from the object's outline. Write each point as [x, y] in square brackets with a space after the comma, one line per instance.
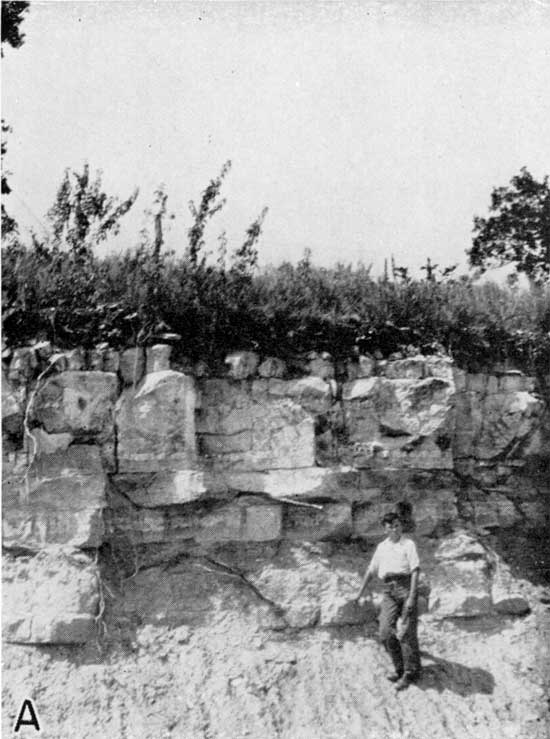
[80, 403]
[51, 598]
[403, 422]
[496, 417]
[460, 581]
[155, 424]
[170, 467]
[250, 431]
[57, 500]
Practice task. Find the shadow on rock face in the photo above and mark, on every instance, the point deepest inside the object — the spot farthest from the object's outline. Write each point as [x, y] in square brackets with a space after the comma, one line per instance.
[441, 674]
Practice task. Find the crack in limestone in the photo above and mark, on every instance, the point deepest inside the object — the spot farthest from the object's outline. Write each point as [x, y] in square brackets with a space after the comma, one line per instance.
[213, 565]
[234, 572]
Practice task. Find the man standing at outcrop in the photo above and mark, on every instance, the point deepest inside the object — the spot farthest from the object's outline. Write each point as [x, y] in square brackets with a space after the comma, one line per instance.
[396, 562]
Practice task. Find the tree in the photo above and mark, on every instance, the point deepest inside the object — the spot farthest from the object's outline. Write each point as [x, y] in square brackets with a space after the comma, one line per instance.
[12, 17]
[83, 215]
[517, 231]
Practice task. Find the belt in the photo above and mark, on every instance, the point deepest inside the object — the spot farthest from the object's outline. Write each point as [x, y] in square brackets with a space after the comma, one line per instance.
[390, 577]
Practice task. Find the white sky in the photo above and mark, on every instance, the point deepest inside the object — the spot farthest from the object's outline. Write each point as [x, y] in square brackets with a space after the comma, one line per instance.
[368, 129]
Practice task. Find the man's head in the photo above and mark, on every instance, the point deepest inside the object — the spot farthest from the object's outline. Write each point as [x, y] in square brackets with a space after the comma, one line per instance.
[394, 527]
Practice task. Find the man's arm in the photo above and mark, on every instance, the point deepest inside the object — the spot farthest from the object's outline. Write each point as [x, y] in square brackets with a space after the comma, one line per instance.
[411, 600]
[372, 570]
[366, 578]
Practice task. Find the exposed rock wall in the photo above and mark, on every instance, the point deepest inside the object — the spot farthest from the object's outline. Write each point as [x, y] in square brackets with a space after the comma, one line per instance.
[128, 453]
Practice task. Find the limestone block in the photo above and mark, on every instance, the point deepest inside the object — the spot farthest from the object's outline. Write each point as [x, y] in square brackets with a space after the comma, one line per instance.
[163, 487]
[442, 367]
[155, 424]
[37, 528]
[435, 510]
[460, 588]
[242, 365]
[399, 423]
[459, 545]
[312, 393]
[80, 403]
[245, 520]
[263, 522]
[506, 592]
[309, 588]
[45, 443]
[468, 419]
[321, 366]
[272, 367]
[314, 482]
[132, 365]
[493, 510]
[245, 430]
[477, 383]
[332, 521]
[502, 424]
[145, 526]
[59, 500]
[412, 368]
[158, 358]
[51, 598]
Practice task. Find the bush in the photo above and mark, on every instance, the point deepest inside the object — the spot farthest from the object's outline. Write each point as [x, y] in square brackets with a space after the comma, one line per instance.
[285, 311]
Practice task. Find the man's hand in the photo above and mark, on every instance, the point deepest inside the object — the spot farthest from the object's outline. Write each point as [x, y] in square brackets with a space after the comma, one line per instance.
[408, 605]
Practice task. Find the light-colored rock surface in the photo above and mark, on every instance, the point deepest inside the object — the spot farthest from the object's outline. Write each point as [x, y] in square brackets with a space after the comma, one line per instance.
[495, 419]
[155, 424]
[312, 393]
[507, 592]
[157, 358]
[460, 583]
[59, 500]
[247, 431]
[162, 488]
[403, 423]
[50, 598]
[242, 365]
[321, 366]
[272, 367]
[80, 403]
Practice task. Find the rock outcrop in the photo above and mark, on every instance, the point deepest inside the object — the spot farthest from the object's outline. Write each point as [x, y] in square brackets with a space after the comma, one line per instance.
[137, 496]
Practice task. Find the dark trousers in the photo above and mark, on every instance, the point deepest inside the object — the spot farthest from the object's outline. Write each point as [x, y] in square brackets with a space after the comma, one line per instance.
[403, 649]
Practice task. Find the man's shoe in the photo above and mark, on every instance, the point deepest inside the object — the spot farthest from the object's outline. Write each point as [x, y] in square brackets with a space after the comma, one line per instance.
[404, 682]
[394, 676]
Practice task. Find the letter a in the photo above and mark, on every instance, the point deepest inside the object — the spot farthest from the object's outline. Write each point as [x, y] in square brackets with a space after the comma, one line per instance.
[32, 721]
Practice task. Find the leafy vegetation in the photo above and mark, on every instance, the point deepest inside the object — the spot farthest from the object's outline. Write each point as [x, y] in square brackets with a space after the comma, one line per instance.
[518, 230]
[60, 290]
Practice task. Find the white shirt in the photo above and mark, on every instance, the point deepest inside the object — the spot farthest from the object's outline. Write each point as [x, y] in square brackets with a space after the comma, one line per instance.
[396, 558]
